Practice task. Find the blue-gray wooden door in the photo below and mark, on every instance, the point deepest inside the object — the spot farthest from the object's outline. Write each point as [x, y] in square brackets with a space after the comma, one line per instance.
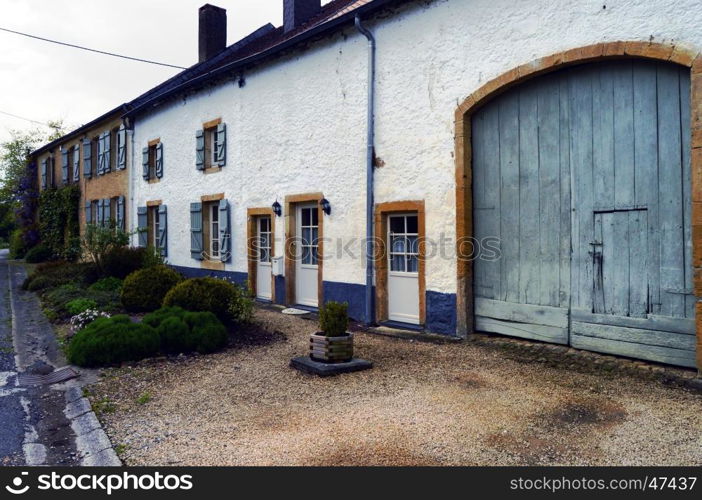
[584, 177]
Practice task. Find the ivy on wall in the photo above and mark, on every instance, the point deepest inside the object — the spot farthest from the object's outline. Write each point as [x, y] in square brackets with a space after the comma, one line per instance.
[58, 221]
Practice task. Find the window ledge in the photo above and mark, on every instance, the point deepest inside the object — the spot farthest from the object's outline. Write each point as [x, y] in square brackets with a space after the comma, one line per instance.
[212, 265]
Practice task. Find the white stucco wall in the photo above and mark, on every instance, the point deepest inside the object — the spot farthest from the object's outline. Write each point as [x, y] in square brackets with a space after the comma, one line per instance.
[298, 125]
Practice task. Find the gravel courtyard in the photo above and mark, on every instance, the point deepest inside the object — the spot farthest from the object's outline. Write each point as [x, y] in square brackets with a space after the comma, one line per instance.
[422, 404]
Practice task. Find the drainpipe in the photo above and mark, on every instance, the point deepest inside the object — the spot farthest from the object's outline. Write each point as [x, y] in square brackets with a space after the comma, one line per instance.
[370, 140]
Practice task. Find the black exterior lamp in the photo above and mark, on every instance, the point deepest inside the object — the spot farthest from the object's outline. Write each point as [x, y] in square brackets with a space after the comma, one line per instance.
[277, 209]
[326, 206]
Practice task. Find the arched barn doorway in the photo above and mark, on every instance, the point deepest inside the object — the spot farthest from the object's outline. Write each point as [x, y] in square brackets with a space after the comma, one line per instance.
[584, 176]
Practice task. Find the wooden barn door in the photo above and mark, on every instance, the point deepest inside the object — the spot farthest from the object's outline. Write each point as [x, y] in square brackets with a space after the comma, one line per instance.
[584, 176]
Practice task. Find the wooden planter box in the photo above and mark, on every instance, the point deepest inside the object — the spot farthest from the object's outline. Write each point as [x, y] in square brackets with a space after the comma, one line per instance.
[331, 349]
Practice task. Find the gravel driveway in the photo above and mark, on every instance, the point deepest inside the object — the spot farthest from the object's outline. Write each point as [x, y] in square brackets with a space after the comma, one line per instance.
[422, 404]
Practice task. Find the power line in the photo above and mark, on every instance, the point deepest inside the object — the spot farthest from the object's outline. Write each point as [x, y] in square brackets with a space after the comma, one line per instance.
[90, 50]
[25, 119]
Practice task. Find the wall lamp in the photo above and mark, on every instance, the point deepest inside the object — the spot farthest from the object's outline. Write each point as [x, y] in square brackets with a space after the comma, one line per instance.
[277, 209]
[326, 206]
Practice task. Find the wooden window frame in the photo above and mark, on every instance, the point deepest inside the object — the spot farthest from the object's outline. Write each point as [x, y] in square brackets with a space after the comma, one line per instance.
[382, 213]
[207, 261]
[209, 129]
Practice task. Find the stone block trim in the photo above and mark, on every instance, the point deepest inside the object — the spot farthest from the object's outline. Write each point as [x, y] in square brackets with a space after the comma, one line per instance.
[675, 53]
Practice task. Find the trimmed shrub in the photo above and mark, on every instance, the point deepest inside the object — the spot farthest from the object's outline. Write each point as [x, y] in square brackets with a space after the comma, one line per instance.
[122, 261]
[106, 285]
[59, 273]
[145, 289]
[39, 253]
[80, 321]
[77, 306]
[186, 331]
[108, 341]
[241, 306]
[334, 319]
[205, 294]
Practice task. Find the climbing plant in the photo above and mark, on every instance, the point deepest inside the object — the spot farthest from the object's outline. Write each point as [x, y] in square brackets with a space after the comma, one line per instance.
[58, 221]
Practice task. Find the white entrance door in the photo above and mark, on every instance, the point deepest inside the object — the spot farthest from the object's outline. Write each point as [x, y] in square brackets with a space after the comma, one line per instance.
[306, 253]
[403, 268]
[263, 258]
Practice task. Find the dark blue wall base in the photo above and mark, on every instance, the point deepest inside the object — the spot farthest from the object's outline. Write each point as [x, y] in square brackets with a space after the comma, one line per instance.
[196, 272]
[280, 290]
[441, 313]
[352, 293]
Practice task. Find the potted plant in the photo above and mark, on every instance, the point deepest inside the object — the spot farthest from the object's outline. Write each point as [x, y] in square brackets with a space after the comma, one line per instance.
[333, 344]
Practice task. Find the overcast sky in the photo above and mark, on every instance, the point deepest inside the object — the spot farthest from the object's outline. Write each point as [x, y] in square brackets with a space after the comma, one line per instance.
[43, 81]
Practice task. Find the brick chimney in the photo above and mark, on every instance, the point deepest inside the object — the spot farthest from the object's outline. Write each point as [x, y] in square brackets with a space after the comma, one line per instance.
[298, 12]
[212, 31]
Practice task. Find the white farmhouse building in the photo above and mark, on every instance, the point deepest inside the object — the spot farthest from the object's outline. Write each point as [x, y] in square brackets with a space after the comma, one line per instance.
[551, 143]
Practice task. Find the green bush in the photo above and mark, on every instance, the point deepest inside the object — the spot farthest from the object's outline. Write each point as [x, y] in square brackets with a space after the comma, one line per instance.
[98, 241]
[106, 285]
[334, 319]
[107, 341]
[241, 305]
[18, 247]
[77, 306]
[120, 262]
[186, 331]
[57, 273]
[39, 253]
[145, 289]
[208, 294]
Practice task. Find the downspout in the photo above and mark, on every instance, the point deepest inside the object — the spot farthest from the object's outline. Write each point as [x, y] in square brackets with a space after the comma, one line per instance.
[370, 140]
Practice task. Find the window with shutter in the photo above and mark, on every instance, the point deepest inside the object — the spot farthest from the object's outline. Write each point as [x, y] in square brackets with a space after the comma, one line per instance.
[51, 178]
[200, 150]
[196, 242]
[88, 213]
[76, 163]
[44, 172]
[143, 226]
[121, 148]
[220, 149]
[101, 154]
[87, 158]
[120, 213]
[225, 244]
[99, 220]
[106, 211]
[107, 152]
[145, 164]
[159, 160]
[64, 166]
[162, 242]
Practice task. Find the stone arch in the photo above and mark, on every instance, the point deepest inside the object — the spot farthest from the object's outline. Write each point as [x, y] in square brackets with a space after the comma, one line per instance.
[684, 56]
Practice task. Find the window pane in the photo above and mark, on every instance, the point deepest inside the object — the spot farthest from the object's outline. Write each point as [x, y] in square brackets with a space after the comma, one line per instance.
[265, 221]
[306, 236]
[412, 225]
[314, 251]
[397, 263]
[397, 244]
[306, 256]
[397, 224]
[315, 236]
[412, 264]
[265, 256]
[413, 244]
[305, 216]
[265, 240]
[215, 248]
[315, 216]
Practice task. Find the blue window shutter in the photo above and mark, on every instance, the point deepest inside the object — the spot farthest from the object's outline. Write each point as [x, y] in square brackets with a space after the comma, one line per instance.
[159, 160]
[106, 211]
[143, 226]
[196, 245]
[200, 150]
[87, 159]
[99, 220]
[221, 144]
[120, 213]
[163, 230]
[122, 148]
[88, 212]
[225, 233]
[64, 166]
[44, 170]
[101, 155]
[76, 163]
[51, 182]
[107, 151]
[145, 163]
